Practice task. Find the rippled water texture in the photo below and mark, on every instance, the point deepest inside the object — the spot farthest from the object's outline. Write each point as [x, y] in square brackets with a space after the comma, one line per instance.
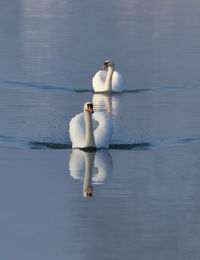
[144, 188]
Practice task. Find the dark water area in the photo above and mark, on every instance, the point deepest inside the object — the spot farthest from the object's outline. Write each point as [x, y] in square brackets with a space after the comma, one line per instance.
[145, 187]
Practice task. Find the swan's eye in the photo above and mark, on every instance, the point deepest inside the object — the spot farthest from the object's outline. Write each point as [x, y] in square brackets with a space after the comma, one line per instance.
[90, 105]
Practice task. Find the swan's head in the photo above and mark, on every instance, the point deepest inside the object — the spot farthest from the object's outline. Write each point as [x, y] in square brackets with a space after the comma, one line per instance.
[108, 63]
[88, 106]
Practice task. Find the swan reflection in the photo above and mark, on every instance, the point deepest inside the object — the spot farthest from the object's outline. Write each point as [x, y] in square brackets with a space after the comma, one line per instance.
[90, 167]
[108, 103]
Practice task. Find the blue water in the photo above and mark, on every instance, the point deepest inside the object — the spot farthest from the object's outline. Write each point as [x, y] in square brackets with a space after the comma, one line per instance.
[145, 187]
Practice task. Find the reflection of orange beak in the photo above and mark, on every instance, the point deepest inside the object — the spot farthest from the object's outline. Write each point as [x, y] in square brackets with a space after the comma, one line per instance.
[89, 192]
[90, 109]
[104, 67]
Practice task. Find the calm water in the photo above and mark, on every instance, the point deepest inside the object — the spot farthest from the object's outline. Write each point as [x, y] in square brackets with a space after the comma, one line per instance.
[145, 202]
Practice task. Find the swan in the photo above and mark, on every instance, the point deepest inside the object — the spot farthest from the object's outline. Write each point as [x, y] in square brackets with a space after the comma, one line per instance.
[83, 133]
[108, 81]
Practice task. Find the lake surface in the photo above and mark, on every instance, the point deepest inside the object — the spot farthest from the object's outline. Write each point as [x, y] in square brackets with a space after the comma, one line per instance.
[145, 202]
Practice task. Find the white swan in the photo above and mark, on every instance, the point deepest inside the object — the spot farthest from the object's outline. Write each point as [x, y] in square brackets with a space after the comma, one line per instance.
[83, 133]
[107, 81]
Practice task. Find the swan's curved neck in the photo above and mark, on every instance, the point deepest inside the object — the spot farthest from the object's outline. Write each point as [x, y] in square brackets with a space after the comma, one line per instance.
[108, 82]
[89, 134]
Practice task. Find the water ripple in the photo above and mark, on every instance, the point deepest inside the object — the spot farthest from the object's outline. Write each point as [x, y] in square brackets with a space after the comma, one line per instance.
[126, 146]
[9, 141]
[90, 90]
[36, 85]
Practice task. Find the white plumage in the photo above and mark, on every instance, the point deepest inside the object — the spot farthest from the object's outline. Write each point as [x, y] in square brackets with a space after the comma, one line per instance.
[101, 129]
[105, 81]
[99, 79]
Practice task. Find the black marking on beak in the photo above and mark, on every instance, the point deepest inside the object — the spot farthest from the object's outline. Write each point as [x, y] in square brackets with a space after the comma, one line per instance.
[90, 106]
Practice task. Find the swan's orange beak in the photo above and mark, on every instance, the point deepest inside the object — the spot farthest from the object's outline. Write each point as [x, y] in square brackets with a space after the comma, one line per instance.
[90, 109]
[104, 66]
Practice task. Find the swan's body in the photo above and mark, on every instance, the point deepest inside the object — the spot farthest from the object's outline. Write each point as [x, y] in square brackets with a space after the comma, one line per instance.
[83, 133]
[107, 81]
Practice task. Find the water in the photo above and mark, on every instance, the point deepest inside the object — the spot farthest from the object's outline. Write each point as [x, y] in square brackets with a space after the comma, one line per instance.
[145, 187]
